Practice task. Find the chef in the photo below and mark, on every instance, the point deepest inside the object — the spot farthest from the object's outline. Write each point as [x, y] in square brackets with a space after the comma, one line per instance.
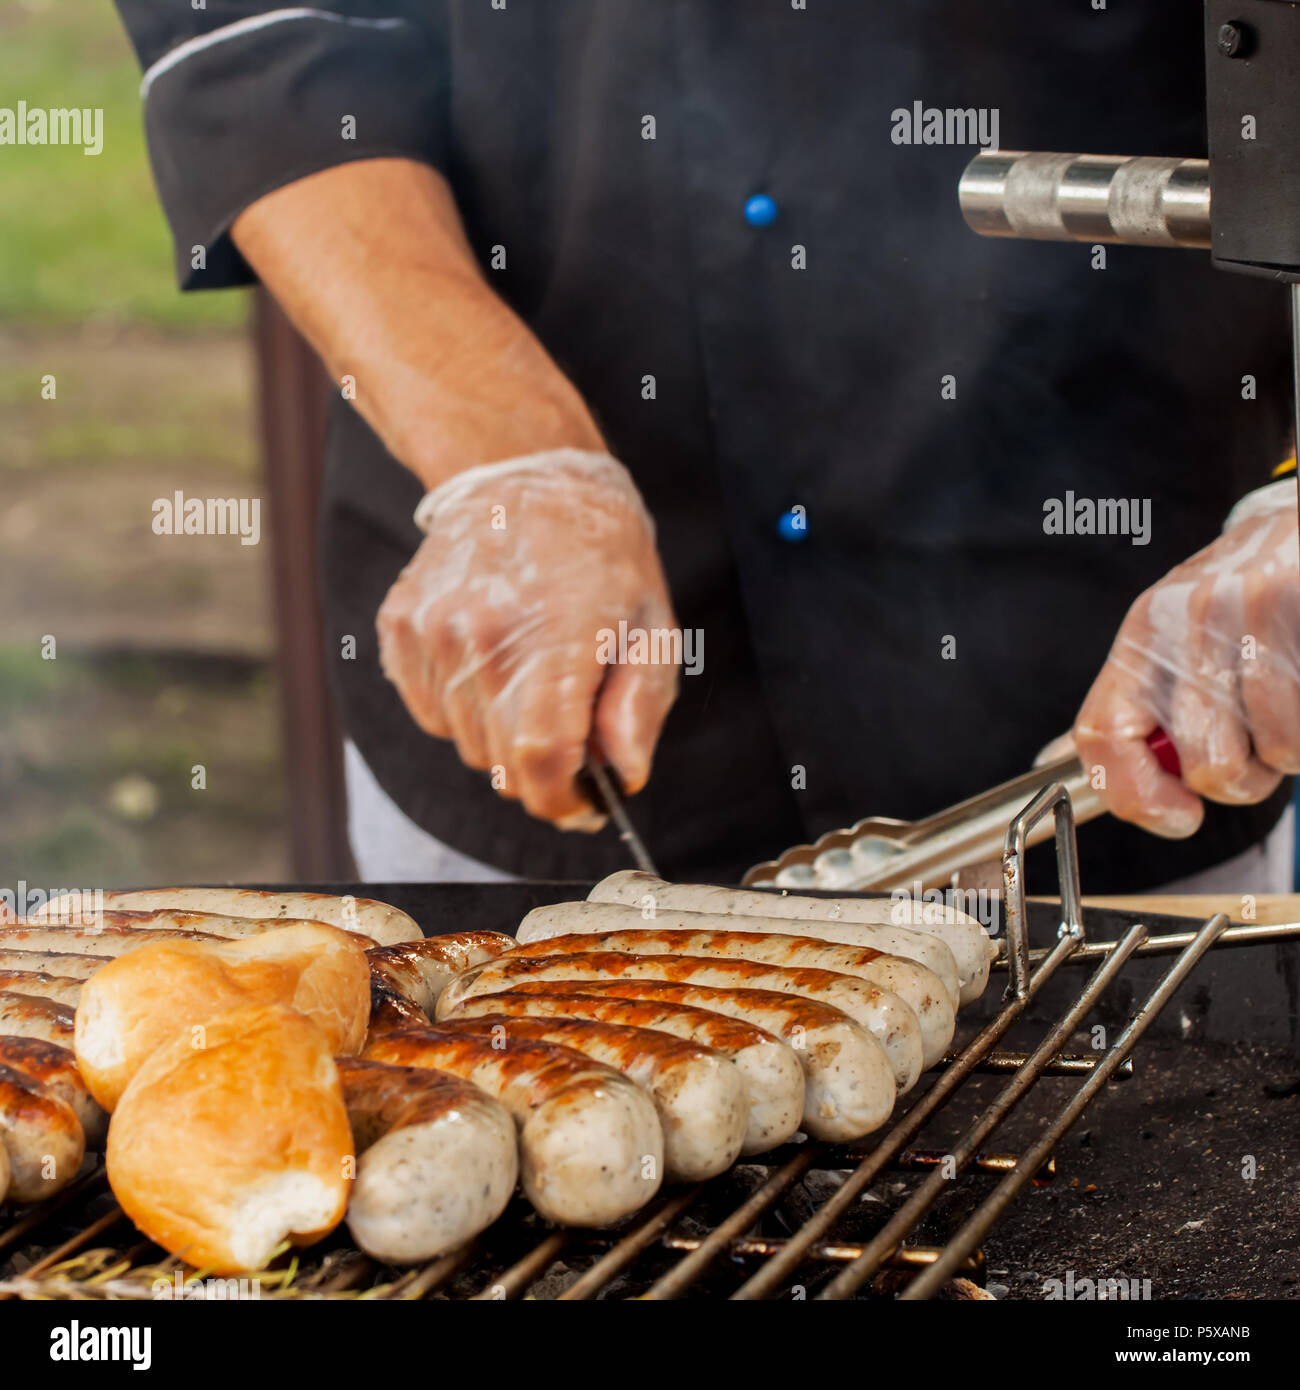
[679, 414]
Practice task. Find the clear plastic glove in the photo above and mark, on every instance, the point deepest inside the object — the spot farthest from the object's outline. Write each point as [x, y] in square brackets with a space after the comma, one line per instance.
[492, 633]
[1211, 654]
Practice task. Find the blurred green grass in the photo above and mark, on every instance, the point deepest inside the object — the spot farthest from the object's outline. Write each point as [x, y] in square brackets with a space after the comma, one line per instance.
[101, 747]
[82, 238]
[154, 392]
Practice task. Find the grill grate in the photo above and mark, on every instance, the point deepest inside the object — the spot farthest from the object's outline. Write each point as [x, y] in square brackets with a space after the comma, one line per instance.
[703, 1240]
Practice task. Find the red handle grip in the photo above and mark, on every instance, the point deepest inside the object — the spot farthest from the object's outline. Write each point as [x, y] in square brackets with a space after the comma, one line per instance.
[1162, 746]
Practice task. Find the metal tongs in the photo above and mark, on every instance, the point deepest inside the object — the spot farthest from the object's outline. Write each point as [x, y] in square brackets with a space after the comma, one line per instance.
[601, 784]
[883, 853]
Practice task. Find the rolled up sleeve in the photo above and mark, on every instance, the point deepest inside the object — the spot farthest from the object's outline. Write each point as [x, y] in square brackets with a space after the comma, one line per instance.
[240, 99]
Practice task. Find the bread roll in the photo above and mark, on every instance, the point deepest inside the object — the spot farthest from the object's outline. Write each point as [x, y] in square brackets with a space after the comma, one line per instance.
[135, 1003]
[221, 1152]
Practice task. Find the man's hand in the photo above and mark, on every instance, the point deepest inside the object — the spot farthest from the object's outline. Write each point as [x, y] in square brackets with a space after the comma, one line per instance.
[1211, 654]
[492, 633]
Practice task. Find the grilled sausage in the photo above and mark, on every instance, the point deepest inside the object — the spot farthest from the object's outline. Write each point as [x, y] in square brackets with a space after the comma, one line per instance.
[919, 988]
[376, 920]
[590, 1145]
[91, 941]
[560, 919]
[25, 1016]
[390, 1010]
[888, 924]
[700, 1096]
[774, 1085]
[55, 1067]
[437, 1159]
[63, 989]
[4, 1153]
[419, 970]
[64, 963]
[172, 920]
[42, 1136]
[882, 1014]
[849, 1087]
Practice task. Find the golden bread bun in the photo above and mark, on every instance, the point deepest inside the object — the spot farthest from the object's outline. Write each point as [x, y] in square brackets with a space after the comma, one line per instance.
[219, 1152]
[139, 1001]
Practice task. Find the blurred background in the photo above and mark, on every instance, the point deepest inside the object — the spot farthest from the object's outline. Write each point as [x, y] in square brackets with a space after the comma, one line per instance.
[164, 645]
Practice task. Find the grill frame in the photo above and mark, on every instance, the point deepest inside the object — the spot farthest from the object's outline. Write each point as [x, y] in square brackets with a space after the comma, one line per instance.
[893, 1260]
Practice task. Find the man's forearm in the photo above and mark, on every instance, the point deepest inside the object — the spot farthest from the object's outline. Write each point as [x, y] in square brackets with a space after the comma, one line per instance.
[370, 261]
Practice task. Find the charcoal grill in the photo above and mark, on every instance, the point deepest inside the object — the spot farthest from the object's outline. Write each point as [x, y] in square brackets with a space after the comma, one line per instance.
[884, 1217]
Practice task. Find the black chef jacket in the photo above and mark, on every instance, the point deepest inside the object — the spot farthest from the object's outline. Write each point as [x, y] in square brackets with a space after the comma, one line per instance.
[924, 635]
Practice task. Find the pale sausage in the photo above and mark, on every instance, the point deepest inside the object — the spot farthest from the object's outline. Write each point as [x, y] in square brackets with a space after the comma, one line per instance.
[590, 1144]
[884, 1015]
[700, 1096]
[849, 1082]
[774, 1084]
[437, 1159]
[376, 920]
[833, 919]
[921, 989]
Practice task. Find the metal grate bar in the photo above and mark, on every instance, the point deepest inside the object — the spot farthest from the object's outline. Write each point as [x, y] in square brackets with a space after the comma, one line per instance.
[1172, 942]
[686, 1271]
[921, 1160]
[75, 1243]
[84, 1186]
[960, 1246]
[765, 1280]
[515, 1280]
[433, 1275]
[627, 1249]
[834, 1252]
[1064, 1064]
[1007, 1099]
[1055, 800]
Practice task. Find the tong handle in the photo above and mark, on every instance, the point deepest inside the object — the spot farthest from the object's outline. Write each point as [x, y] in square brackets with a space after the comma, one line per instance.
[1162, 746]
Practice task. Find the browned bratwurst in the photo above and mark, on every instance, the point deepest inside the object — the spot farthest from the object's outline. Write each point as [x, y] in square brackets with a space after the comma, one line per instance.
[390, 1010]
[917, 986]
[772, 1073]
[55, 1067]
[849, 1084]
[420, 970]
[63, 989]
[91, 941]
[700, 1095]
[590, 1144]
[65, 963]
[42, 1136]
[25, 1016]
[882, 1016]
[436, 1159]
